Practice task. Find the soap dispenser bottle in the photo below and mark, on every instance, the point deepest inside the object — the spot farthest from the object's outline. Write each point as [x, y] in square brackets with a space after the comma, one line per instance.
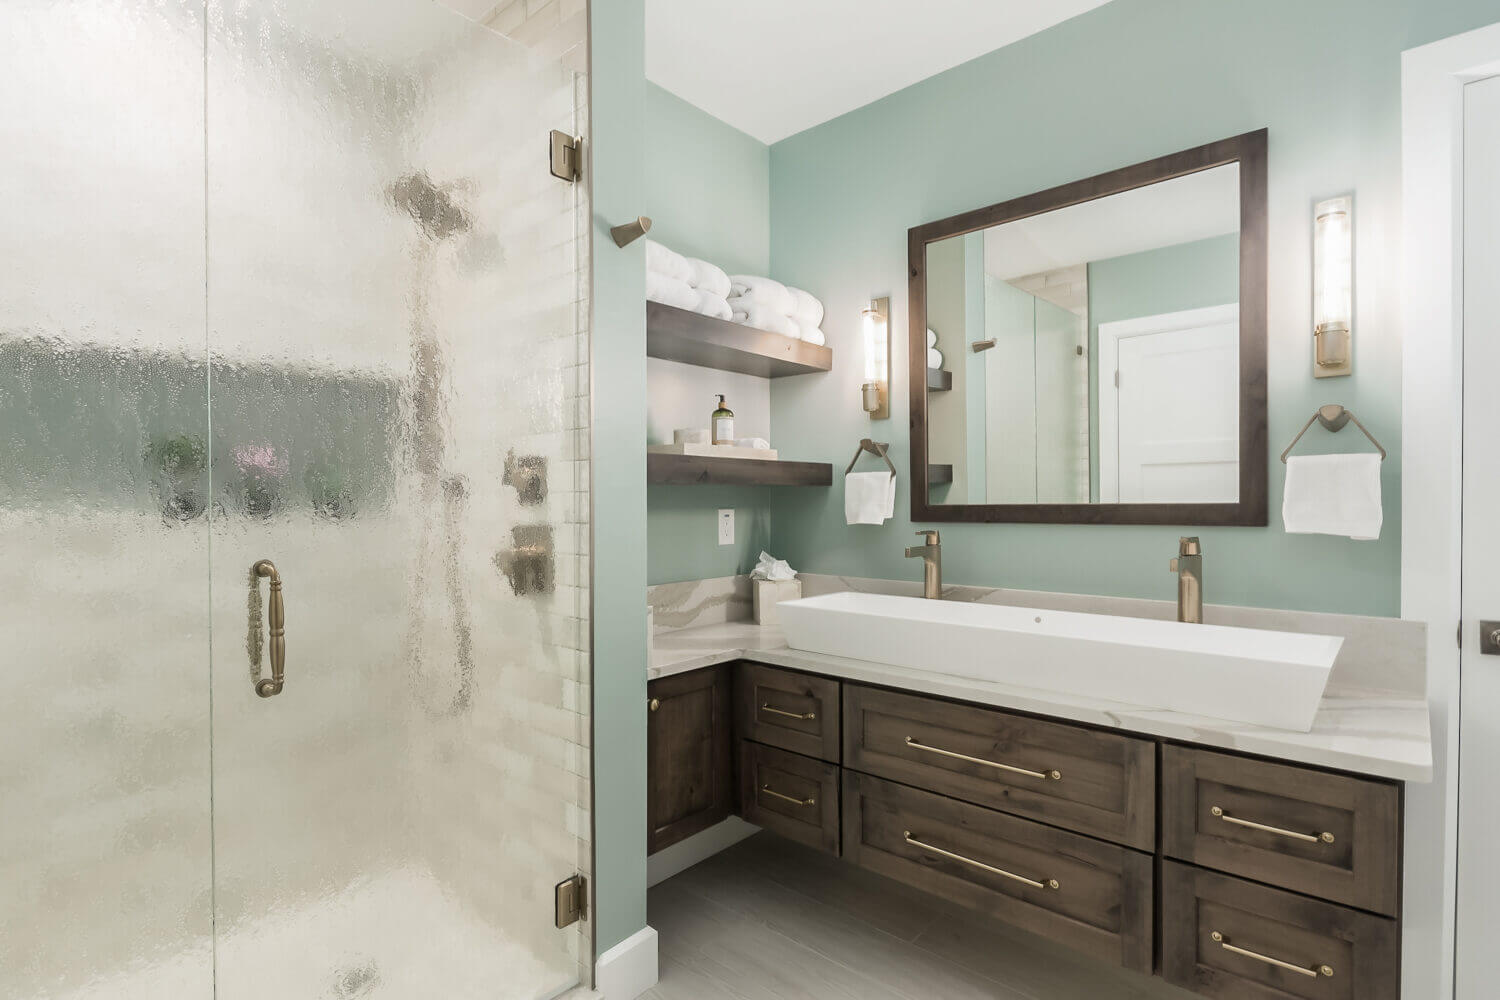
[723, 424]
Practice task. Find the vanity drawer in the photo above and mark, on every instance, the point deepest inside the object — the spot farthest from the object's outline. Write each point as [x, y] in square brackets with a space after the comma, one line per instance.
[1325, 835]
[786, 793]
[1297, 947]
[786, 709]
[1075, 890]
[1102, 784]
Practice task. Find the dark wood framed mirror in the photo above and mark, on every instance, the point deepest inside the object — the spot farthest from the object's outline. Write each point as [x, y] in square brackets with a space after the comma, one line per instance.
[1096, 353]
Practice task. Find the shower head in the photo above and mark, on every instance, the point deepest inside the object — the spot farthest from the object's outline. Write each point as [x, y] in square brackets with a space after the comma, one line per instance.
[431, 206]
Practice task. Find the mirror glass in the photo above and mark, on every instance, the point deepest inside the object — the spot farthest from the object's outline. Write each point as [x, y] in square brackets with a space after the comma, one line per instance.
[1090, 355]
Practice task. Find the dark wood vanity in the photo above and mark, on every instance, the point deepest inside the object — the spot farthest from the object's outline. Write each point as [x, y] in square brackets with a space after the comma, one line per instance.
[1226, 875]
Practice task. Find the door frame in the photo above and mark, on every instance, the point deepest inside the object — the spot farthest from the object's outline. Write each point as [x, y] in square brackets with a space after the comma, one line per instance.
[1432, 80]
[1110, 335]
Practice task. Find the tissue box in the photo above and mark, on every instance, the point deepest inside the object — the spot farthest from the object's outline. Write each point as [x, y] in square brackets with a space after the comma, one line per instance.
[769, 593]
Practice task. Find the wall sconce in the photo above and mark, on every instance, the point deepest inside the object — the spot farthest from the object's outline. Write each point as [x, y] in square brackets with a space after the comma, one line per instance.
[875, 392]
[1333, 286]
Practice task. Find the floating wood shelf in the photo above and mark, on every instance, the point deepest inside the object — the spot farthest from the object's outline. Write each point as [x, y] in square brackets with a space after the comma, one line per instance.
[682, 335]
[699, 470]
[939, 380]
[939, 475]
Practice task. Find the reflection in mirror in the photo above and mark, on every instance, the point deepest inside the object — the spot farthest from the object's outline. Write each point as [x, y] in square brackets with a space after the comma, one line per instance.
[1093, 351]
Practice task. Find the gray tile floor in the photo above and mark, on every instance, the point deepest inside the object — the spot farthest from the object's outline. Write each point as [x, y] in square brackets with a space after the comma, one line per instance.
[770, 920]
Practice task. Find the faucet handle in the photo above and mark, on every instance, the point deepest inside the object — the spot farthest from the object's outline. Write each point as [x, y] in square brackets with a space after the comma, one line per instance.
[931, 536]
[1172, 566]
[1188, 545]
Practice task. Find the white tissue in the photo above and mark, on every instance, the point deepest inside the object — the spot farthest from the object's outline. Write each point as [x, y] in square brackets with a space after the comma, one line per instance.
[770, 568]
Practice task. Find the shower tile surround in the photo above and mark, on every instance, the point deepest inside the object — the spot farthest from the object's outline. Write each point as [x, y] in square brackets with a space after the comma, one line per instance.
[1373, 719]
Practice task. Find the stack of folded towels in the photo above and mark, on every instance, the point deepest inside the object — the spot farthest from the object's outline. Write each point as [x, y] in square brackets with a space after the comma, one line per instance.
[686, 282]
[769, 305]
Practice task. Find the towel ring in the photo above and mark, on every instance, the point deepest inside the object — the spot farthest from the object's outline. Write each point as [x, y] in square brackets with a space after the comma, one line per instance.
[874, 448]
[1333, 417]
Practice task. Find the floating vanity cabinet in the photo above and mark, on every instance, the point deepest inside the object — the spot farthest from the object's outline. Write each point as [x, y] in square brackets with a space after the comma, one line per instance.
[1225, 937]
[1093, 896]
[787, 709]
[789, 794]
[1325, 835]
[1098, 783]
[689, 750]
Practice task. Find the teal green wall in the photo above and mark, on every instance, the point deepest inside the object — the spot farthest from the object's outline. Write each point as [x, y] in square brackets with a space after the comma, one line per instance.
[708, 185]
[1169, 279]
[708, 192]
[618, 97]
[1126, 82]
[683, 527]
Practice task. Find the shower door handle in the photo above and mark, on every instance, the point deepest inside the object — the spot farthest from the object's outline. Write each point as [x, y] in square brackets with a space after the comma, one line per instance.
[276, 620]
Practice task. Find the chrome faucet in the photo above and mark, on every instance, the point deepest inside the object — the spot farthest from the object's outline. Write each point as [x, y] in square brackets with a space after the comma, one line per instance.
[1189, 569]
[931, 554]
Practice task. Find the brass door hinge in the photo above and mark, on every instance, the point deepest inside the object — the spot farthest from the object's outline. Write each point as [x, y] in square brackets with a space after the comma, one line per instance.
[572, 895]
[566, 156]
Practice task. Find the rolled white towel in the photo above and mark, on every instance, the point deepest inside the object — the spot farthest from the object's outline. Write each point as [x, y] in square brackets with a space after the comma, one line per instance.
[759, 443]
[814, 336]
[713, 305]
[931, 338]
[664, 260]
[670, 291]
[934, 358]
[709, 278]
[764, 319]
[806, 309]
[768, 291]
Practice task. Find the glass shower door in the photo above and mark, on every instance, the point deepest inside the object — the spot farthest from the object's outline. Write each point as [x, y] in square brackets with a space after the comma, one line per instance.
[395, 340]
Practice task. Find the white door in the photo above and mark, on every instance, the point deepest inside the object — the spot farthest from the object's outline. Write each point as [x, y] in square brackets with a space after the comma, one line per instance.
[1169, 408]
[1479, 693]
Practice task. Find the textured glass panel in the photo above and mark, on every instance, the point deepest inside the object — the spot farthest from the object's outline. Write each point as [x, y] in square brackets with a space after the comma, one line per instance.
[398, 421]
[105, 849]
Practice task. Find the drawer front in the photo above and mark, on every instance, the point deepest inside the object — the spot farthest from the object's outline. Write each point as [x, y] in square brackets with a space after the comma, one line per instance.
[782, 708]
[1319, 834]
[786, 793]
[689, 755]
[1101, 784]
[1093, 896]
[1223, 937]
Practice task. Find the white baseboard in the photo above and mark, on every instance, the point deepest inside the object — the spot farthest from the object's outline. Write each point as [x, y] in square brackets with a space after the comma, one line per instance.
[699, 847]
[629, 968]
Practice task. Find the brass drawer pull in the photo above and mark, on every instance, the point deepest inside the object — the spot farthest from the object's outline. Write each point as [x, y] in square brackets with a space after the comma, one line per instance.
[1301, 970]
[787, 798]
[1043, 775]
[1311, 838]
[803, 716]
[1051, 883]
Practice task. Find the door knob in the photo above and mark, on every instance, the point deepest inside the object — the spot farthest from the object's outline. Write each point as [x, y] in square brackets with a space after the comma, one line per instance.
[1489, 637]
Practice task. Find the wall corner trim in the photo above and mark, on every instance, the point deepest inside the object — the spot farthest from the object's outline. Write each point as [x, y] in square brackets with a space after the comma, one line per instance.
[629, 968]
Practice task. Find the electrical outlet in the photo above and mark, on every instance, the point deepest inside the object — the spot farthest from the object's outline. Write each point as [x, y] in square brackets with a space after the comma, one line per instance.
[726, 526]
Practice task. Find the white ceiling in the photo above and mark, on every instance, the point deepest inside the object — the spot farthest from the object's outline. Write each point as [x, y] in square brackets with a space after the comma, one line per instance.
[1181, 210]
[775, 67]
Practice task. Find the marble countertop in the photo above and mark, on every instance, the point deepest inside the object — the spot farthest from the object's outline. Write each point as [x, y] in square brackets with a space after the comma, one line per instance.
[1377, 733]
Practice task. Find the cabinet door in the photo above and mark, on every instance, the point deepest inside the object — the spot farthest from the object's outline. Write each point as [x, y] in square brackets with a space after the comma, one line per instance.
[690, 771]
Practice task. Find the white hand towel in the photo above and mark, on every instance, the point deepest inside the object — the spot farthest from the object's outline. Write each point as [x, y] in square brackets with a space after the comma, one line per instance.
[762, 318]
[869, 497]
[934, 358]
[670, 291]
[664, 260]
[768, 291]
[709, 278]
[1333, 495]
[806, 309]
[713, 305]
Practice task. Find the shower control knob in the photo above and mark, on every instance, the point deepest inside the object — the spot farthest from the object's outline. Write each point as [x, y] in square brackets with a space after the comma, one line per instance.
[1489, 638]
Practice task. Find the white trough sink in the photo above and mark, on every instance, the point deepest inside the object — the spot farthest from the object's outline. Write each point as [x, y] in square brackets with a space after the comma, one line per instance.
[1239, 674]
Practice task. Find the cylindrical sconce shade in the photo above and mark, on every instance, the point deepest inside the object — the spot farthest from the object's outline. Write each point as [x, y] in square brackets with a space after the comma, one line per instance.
[876, 330]
[1333, 286]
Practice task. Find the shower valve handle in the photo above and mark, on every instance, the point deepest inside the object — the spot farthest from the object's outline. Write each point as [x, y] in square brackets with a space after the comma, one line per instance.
[276, 621]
